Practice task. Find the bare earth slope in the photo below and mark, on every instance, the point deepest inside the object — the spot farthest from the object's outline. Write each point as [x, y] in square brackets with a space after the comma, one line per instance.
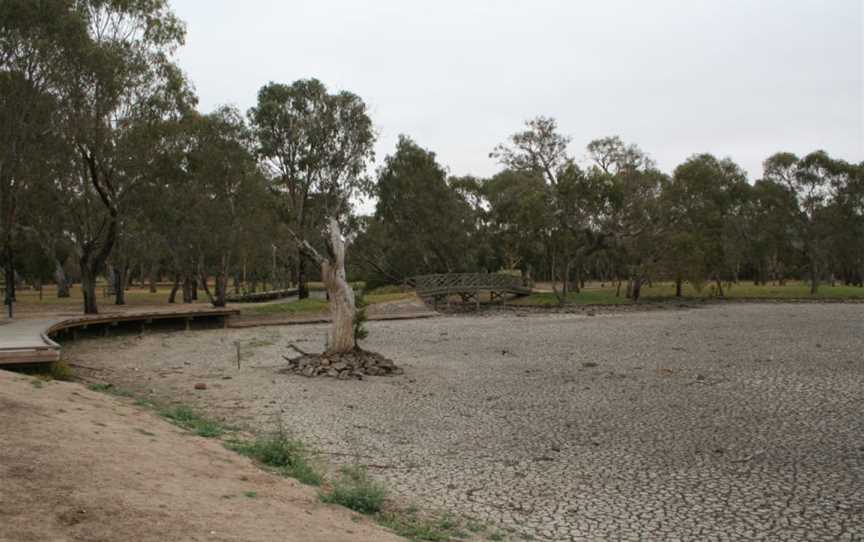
[79, 465]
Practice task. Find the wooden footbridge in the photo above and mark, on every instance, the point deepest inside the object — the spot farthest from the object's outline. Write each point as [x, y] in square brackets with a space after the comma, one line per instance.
[468, 286]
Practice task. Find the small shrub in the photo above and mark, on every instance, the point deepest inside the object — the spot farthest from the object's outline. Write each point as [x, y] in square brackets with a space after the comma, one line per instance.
[355, 490]
[407, 523]
[360, 318]
[60, 370]
[208, 428]
[288, 457]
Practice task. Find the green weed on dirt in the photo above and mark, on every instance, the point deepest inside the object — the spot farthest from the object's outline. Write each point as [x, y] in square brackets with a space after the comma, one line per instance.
[287, 456]
[186, 418]
[355, 490]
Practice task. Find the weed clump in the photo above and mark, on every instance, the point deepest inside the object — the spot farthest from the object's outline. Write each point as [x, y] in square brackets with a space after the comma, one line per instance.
[60, 370]
[186, 418]
[109, 388]
[355, 490]
[289, 457]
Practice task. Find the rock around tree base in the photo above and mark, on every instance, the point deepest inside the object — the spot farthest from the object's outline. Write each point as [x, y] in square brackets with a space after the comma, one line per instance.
[353, 365]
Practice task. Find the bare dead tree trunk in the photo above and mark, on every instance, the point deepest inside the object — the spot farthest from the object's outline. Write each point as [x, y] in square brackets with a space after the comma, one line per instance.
[342, 304]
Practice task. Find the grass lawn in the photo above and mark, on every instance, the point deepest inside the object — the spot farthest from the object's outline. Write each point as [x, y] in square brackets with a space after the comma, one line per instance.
[312, 306]
[135, 296]
[596, 294]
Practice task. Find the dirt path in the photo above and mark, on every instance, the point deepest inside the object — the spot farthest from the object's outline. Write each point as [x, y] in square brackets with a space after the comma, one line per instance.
[80, 465]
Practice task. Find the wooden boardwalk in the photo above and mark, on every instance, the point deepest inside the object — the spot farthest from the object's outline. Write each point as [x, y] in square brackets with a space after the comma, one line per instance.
[31, 341]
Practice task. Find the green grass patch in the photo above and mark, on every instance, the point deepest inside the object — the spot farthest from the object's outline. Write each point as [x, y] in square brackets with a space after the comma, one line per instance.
[250, 494]
[355, 490]
[409, 524]
[110, 389]
[258, 343]
[183, 416]
[302, 306]
[373, 298]
[585, 297]
[287, 456]
[596, 294]
[313, 305]
[390, 289]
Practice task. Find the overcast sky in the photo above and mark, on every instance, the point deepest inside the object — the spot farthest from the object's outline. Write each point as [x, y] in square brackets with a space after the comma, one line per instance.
[742, 79]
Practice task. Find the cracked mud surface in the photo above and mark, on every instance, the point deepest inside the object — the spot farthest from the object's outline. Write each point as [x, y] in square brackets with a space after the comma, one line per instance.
[733, 422]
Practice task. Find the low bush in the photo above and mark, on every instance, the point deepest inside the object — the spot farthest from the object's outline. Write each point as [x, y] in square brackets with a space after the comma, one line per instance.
[289, 457]
[355, 490]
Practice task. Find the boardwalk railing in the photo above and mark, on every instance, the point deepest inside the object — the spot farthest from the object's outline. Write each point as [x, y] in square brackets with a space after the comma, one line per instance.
[469, 285]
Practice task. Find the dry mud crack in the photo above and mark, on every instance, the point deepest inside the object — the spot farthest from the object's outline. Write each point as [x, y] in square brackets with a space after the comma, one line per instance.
[732, 422]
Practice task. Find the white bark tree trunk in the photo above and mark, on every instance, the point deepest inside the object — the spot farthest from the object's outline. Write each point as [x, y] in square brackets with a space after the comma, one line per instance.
[342, 306]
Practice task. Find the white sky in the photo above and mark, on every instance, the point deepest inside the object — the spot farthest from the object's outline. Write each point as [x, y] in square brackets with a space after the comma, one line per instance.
[737, 78]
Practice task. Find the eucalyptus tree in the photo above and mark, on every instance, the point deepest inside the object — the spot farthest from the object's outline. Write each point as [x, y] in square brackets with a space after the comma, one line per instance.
[705, 199]
[37, 40]
[520, 220]
[124, 77]
[229, 188]
[541, 150]
[769, 221]
[317, 146]
[425, 224]
[846, 219]
[314, 144]
[816, 180]
[631, 216]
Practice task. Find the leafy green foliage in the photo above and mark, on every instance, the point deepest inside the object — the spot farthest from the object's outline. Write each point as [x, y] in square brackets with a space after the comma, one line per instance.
[360, 318]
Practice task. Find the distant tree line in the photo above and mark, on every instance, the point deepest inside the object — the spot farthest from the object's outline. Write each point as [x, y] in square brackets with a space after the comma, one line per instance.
[619, 219]
[108, 170]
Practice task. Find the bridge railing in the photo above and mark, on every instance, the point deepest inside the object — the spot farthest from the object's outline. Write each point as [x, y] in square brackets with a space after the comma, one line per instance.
[468, 282]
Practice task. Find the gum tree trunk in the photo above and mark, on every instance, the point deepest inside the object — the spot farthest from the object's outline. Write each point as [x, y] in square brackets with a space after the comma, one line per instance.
[342, 304]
